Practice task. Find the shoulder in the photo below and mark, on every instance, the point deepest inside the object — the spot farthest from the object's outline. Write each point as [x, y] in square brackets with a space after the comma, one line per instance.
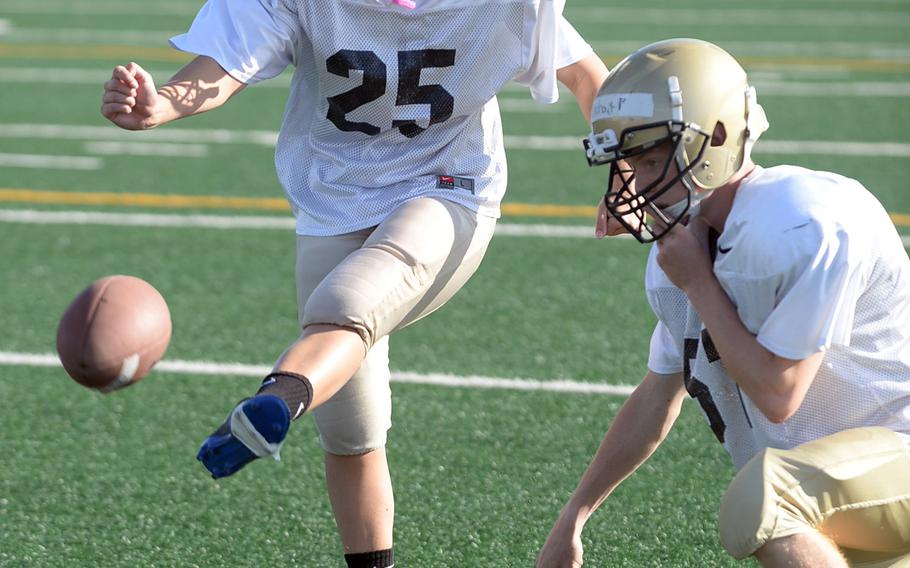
[786, 216]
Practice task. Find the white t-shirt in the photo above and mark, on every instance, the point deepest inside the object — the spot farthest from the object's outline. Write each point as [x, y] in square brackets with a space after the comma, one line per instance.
[386, 103]
[812, 263]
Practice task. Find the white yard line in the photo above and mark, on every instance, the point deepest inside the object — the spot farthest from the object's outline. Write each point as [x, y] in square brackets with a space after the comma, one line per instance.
[285, 223]
[870, 149]
[740, 17]
[434, 379]
[112, 7]
[11, 33]
[786, 49]
[548, 143]
[839, 89]
[825, 148]
[58, 7]
[766, 87]
[528, 105]
[555, 231]
[29, 216]
[147, 149]
[773, 86]
[87, 36]
[108, 133]
[97, 76]
[40, 161]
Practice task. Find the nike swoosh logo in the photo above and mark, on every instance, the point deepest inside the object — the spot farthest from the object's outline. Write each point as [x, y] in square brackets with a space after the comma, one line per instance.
[723, 250]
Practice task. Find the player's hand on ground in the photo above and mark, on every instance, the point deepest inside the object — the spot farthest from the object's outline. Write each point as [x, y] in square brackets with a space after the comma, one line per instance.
[563, 549]
[683, 255]
[129, 98]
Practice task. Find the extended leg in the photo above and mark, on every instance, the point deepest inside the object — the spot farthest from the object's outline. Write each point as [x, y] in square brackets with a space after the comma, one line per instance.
[328, 355]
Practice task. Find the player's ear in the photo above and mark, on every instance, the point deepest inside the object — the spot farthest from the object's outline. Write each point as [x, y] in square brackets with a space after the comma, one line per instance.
[719, 136]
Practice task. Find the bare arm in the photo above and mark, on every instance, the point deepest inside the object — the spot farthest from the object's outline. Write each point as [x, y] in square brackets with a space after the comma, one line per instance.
[584, 79]
[641, 425]
[131, 101]
[776, 385]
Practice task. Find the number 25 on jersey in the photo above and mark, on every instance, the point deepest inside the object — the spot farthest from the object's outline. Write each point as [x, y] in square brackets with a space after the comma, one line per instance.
[374, 85]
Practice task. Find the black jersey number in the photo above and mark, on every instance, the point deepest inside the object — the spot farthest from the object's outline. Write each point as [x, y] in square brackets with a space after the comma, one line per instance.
[699, 390]
[373, 86]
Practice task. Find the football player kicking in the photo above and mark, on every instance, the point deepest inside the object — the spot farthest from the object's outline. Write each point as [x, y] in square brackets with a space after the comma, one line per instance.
[783, 300]
[391, 155]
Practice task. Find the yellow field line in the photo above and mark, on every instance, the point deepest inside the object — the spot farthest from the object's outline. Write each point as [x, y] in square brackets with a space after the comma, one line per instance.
[12, 195]
[31, 51]
[143, 199]
[529, 210]
[148, 53]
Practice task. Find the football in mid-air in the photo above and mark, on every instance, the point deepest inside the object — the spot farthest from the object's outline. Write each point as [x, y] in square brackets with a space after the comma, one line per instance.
[112, 334]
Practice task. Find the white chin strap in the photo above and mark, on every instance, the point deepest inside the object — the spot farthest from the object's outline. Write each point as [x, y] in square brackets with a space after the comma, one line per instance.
[678, 209]
[756, 125]
[756, 122]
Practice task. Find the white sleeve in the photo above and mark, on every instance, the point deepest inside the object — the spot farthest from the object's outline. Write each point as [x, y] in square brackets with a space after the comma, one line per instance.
[664, 357]
[252, 40]
[570, 46]
[817, 300]
[554, 44]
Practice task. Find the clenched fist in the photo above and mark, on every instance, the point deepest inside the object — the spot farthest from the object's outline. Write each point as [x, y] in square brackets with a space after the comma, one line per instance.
[130, 98]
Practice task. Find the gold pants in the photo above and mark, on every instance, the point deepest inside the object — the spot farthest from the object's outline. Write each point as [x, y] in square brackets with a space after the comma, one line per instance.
[853, 487]
[377, 281]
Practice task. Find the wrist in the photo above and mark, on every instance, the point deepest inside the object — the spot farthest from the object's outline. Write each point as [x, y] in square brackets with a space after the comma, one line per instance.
[155, 117]
[161, 111]
[574, 517]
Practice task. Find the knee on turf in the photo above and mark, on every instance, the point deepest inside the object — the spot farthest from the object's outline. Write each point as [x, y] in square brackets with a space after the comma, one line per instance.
[763, 503]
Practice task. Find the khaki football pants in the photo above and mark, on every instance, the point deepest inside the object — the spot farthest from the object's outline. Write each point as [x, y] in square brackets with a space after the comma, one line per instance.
[853, 486]
[376, 281]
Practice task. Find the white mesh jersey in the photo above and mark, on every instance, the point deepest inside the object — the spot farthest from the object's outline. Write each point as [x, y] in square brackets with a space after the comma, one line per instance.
[813, 263]
[386, 103]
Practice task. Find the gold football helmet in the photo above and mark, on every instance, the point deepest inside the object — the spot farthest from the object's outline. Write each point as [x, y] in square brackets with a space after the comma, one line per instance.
[690, 95]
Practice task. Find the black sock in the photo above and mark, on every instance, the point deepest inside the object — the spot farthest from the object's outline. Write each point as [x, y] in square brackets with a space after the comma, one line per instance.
[373, 559]
[295, 390]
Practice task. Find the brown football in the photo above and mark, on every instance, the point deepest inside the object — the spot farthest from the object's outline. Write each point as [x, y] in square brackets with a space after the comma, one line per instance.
[112, 334]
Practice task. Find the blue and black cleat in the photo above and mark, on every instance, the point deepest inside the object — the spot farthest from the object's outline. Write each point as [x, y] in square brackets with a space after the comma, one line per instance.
[256, 428]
